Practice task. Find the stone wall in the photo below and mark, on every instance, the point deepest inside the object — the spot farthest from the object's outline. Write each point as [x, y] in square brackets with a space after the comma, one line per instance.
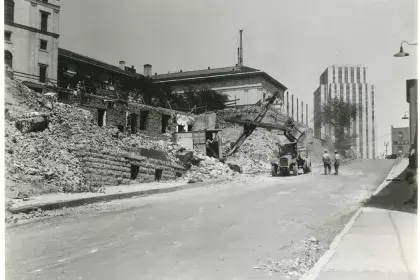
[128, 117]
[107, 168]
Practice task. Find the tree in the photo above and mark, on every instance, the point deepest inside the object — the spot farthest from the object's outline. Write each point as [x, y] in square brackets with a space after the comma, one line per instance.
[204, 99]
[340, 115]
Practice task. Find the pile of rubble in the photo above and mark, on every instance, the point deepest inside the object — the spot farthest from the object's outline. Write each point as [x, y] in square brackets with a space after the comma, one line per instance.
[43, 135]
[309, 250]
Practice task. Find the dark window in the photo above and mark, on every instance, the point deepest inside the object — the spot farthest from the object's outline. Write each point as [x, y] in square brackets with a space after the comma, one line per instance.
[134, 171]
[43, 45]
[7, 36]
[165, 121]
[158, 174]
[143, 119]
[101, 117]
[44, 21]
[133, 123]
[190, 127]
[46, 1]
[9, 10]
[8, 59]
[42, 73]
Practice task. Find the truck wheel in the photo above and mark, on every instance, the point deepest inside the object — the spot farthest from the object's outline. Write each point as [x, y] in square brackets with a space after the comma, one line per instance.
[295, 170]
[273, 170]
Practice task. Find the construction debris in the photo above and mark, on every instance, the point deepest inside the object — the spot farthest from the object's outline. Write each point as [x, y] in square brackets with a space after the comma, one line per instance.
[41, 146]
[308, 250]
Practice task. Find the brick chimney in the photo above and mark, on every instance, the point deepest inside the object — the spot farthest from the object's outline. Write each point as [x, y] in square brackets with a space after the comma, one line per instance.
[122, 65]
[147, 70]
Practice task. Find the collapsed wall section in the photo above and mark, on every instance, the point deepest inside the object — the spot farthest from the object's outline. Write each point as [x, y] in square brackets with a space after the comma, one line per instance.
[110, 168]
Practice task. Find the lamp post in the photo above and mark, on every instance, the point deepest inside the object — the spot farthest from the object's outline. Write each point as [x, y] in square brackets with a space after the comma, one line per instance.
[401, 53]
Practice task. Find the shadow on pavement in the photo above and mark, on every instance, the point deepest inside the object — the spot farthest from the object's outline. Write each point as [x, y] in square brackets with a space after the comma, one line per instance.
[393, 196]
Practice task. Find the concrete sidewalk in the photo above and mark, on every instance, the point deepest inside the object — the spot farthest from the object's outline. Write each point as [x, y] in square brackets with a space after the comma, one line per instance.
[60, 200]
[380, 241]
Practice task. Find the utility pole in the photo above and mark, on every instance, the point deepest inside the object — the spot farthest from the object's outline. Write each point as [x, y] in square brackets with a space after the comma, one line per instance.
[386, 148]
[240, 50]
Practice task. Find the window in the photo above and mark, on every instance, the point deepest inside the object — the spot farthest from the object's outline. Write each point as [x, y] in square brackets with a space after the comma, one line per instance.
[8, 59]
[7, 36]
[9, 10]
[42, 73]
[44, 21]
[43, 45]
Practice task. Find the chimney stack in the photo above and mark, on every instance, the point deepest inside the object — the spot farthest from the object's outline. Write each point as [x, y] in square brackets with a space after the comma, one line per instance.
[122, 64]
[147, 70]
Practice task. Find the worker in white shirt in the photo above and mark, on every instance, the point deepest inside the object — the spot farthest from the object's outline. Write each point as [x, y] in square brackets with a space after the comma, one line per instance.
[327, 162]
[336, 162]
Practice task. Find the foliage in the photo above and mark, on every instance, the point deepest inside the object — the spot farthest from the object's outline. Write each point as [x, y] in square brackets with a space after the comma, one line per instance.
[339, 115]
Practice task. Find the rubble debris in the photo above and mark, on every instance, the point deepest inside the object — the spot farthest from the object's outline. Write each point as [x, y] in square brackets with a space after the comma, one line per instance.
[32, 122]
[308, 252]
[44, 160]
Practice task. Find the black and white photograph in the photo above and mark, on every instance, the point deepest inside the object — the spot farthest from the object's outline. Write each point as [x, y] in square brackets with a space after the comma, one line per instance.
[210, 139]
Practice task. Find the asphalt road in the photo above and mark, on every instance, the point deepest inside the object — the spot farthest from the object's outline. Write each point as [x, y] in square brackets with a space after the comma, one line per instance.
[217, 232]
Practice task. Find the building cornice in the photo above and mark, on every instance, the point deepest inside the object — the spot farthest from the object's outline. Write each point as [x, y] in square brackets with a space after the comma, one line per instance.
[32, 29]
[210, 77]
[46, 4]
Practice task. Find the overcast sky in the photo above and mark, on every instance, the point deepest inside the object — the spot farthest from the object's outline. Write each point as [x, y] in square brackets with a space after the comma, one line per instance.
[293, 41]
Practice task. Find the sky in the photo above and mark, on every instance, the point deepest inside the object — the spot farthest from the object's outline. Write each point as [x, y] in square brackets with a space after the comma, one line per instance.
[293, 41]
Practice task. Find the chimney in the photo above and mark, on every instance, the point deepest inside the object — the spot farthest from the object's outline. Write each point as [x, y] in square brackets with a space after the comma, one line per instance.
[122, 64]
[147, 70]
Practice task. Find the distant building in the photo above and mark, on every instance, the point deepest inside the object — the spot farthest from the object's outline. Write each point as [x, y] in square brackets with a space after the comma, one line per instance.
[31, 33]
[244, 84]
[350, 83]
[400, 138]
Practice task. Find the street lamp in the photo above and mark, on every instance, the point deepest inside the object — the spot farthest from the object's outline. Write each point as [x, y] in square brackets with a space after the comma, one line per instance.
[401, 53]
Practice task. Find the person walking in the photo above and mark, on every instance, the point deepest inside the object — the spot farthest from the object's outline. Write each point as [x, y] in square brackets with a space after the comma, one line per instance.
[336, 162]
[327, 162]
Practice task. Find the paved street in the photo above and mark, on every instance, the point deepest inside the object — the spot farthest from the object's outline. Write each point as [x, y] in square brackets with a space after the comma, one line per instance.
[218, 232]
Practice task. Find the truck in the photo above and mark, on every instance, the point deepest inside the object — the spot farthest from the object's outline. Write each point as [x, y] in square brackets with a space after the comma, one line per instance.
[291, 158]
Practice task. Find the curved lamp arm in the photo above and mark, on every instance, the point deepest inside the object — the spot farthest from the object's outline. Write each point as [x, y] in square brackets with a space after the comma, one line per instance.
[411, 44]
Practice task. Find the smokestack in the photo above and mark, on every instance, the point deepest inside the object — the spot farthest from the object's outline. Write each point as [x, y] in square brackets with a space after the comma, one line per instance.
[147, 70]
[122, 64]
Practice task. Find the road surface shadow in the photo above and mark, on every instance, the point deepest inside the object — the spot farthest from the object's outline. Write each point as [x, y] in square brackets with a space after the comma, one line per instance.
[393, 196]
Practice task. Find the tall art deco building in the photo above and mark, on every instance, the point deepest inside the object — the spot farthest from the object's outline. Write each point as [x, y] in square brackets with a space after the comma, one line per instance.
[350, 83]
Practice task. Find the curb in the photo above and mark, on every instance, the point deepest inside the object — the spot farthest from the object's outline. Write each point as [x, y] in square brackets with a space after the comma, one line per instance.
[314, 272]
[103, 198]
[325, 258]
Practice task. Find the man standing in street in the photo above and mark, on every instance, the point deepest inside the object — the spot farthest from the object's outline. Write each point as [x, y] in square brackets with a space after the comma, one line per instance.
[336, 162]
[327, 162]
